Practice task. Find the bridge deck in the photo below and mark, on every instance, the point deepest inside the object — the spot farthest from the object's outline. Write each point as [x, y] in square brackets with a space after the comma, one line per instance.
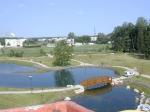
[101, 80]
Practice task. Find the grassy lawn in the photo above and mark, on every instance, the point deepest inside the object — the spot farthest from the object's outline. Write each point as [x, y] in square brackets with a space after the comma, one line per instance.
[19, 100]
[6, 60]
[118, 71]
[116, 59]
[35, 52]
[28, 52]
[92, 48]
[142, 84]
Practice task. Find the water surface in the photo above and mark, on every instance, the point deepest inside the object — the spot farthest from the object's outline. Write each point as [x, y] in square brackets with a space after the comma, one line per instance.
[106, 99]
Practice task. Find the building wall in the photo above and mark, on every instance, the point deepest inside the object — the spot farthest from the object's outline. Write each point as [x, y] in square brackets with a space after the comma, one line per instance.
[14, 42]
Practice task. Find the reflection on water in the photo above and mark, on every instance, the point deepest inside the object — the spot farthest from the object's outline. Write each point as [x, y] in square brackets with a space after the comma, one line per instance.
[63, 78]
[99, 91]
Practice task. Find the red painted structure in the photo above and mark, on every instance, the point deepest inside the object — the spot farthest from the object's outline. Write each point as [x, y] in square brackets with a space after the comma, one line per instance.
[63, 106]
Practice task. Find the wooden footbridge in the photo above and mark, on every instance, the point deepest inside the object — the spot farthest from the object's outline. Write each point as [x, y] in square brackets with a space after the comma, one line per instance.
[96, 82]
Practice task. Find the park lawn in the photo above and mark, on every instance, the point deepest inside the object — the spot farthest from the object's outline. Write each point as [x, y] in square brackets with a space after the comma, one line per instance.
[92, 48]
[35, 51]
[118, 71]
[117, 59]
[28, 52]
[21, 100]
[6, 60]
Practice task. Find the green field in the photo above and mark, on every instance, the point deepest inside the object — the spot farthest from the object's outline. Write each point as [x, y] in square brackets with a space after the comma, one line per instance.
[20, 100]
[36, 51]
[117, 59]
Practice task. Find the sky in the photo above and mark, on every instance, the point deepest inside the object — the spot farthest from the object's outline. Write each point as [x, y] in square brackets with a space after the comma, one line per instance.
[35, 18]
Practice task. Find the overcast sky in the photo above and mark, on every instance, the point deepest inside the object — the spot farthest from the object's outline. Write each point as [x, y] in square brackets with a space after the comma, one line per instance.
[58, 17]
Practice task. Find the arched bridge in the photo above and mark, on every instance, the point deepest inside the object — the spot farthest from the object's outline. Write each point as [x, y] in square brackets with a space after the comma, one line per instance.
[96, 82]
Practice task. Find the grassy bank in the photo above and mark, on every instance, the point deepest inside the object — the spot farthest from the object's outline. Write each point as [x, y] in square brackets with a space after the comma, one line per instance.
[118, 71]
[6, 60]
[9, 101]
[140, 83]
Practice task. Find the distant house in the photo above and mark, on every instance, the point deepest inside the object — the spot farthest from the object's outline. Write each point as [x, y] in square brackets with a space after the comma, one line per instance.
[93, 38]
[57, 39]
[14, 42]
[78, 44]
[70, 42]
[41, 39]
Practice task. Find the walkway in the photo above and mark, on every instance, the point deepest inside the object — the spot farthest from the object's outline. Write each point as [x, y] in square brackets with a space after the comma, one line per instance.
[41, 91]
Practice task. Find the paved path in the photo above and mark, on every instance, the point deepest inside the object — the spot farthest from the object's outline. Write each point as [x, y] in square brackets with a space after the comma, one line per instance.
[40, 91]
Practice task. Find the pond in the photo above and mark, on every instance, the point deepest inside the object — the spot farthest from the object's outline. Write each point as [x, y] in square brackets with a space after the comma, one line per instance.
[12, 75]
[106, 99]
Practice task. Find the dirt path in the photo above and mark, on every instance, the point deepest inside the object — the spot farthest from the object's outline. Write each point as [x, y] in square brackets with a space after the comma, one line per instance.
[40, 91]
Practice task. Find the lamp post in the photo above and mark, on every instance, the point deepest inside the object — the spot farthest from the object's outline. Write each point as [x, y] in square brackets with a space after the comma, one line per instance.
[30, 78]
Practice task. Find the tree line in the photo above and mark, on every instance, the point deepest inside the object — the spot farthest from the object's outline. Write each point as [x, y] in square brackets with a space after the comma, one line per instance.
[101, 38]
[134, 38]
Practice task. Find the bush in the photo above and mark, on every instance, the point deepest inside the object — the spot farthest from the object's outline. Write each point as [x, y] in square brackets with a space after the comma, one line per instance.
[19, 54]
[42, 52]
[12, 53]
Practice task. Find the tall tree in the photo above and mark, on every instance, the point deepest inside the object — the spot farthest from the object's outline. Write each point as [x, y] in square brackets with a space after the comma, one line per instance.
[71, 35]
[62, 54]
[141, 25]
[2, 41]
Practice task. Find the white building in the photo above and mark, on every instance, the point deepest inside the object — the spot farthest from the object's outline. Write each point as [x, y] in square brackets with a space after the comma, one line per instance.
[57, 39]
[93, 38]
[14, 42]
[70, 42]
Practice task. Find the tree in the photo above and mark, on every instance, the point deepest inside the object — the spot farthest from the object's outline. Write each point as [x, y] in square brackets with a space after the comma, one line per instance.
[2, 41]
[102, 38]
[71, 35]
[132, 38]
[83, 39]
[141, 25]
[62, 54]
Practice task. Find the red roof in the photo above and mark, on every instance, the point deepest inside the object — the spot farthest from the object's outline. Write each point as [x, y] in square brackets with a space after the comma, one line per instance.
[63, 106]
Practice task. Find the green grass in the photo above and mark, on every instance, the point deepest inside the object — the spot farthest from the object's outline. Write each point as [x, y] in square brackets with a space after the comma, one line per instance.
[92, 48]
[35, 52]
[118, 71]
[19, 100]
[116, 59]
[4, 60]
[28, 52]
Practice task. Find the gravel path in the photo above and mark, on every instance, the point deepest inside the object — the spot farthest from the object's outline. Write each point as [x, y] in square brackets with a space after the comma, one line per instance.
[40, 91]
